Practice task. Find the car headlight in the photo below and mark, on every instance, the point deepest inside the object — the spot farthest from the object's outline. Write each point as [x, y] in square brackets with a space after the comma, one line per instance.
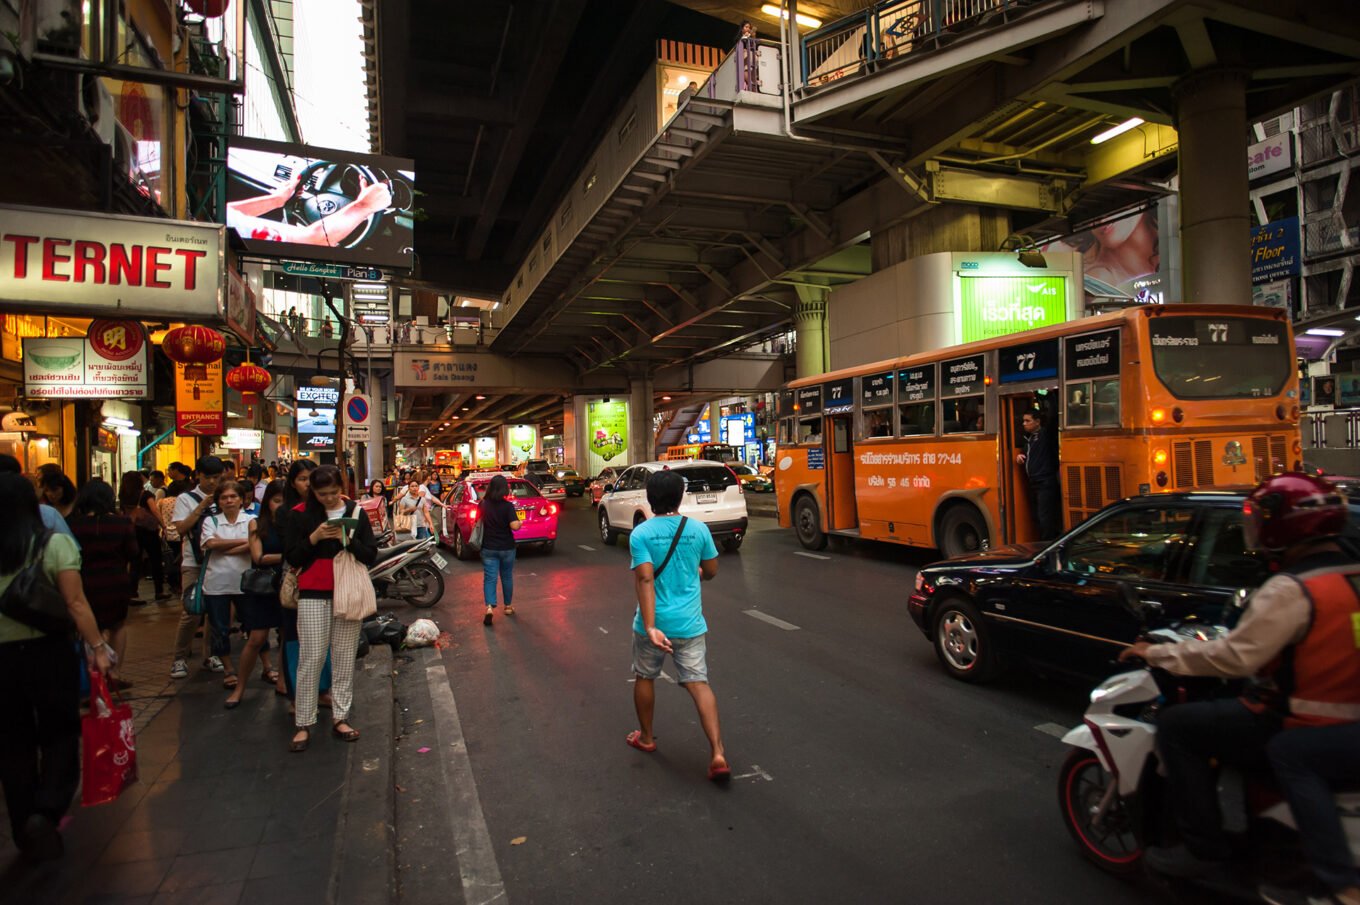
[920, 581]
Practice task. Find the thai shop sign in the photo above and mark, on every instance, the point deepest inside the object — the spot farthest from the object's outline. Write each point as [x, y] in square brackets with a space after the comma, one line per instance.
[1275, 250]
[58, 261]
[111, 362]
[992, 306]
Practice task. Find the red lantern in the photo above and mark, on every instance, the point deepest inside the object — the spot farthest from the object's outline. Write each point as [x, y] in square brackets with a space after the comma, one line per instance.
[195, 348]
[208, 9]
[250, 380]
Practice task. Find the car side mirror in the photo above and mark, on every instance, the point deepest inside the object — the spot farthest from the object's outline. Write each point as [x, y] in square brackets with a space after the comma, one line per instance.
[609, 488]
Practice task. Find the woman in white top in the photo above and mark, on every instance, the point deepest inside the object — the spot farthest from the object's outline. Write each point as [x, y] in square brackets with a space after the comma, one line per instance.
[413, 511]
[226, 555]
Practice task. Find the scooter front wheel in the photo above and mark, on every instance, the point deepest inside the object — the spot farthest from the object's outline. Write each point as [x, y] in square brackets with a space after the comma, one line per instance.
[424, 584]
[1110, 840]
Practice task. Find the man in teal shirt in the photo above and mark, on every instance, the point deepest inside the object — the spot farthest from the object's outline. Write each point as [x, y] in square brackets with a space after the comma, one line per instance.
[670, 555]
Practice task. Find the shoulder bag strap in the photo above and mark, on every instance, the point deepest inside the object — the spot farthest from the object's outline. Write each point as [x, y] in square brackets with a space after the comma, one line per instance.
[675, 542]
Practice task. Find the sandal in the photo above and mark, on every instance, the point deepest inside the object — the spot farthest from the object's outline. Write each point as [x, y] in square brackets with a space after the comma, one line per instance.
[509, 610]
[490, 614]
[350, 735]
[297, 745]
[270, 676]
[230, 681]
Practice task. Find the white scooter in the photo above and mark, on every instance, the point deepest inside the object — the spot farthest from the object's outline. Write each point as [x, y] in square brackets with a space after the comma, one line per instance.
[411, 570]
[1111, 787]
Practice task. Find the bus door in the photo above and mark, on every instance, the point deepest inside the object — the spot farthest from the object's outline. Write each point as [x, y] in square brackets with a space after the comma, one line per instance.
[1018, 523]
[840, 473]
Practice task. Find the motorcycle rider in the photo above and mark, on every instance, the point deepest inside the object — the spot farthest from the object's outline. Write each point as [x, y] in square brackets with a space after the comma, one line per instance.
[1297, 641]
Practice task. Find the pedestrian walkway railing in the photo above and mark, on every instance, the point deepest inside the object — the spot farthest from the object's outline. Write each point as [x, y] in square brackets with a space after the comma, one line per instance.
[891, 29]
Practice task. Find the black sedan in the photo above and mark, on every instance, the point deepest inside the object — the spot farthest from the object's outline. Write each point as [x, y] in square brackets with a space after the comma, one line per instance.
[1061, 604]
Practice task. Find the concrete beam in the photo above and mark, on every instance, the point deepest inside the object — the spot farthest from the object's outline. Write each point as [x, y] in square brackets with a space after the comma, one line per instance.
[734, 374]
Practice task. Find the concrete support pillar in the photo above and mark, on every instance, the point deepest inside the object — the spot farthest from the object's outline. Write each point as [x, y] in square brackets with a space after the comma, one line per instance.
[570, 430]
[1211, 120]
[641, 412]
[373, 450]
[943, 227]
[809, 322]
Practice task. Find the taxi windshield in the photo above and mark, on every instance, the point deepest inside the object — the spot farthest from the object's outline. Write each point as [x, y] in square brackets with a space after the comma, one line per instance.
[1199, 357]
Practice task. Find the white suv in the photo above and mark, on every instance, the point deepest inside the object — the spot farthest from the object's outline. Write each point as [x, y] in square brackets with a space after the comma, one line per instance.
[713, 495]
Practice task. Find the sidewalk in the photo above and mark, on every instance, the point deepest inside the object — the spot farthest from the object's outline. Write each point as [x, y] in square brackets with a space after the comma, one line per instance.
[223, 813]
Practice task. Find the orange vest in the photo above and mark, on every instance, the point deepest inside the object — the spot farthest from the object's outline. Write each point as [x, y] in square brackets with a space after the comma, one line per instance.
[1326, 663]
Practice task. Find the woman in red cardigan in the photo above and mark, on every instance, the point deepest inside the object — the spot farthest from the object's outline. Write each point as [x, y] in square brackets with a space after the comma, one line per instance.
[311, 544]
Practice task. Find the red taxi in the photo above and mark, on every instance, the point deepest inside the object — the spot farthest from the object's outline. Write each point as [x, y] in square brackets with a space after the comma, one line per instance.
[462, 506]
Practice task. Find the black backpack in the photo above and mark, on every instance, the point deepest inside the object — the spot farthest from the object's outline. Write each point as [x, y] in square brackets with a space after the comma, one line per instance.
[196, 529]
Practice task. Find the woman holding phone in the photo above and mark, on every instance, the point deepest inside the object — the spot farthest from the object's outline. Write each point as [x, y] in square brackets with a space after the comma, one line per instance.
[314, 535]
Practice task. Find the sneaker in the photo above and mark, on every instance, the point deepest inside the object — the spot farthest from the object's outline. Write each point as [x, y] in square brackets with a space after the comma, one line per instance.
[41, 839]
[215, 664]
[1178, 861]
[1279, 895]
[180, 670]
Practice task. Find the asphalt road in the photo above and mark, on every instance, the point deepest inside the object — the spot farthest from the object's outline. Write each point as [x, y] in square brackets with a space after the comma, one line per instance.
[863, 774]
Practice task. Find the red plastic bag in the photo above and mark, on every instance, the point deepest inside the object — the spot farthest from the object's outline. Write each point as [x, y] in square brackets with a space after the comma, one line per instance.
[109, 746]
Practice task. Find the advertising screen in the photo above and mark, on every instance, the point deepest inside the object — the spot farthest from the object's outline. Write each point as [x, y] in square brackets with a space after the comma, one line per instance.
[315, 420]
[991, 306]
[295, 201]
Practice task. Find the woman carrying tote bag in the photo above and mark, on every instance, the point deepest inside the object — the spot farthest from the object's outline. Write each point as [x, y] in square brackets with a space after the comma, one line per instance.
[312, 540]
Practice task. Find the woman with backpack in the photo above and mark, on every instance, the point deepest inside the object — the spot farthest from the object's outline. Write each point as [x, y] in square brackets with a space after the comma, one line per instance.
[109, 562]
[311, 544]
[225, 541]
[40, 673]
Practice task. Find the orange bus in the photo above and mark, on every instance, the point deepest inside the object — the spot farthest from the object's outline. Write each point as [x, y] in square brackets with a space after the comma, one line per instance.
[713, 452]
[920, 450]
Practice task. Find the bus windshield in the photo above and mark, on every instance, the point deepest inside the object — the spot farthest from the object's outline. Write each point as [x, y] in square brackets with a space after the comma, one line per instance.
[719, 452]
[1202, 357]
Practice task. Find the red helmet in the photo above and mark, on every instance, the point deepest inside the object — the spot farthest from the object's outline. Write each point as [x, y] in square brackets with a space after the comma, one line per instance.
[1292, 507]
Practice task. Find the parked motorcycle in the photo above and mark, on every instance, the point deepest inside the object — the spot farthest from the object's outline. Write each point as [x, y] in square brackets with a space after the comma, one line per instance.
[411, 570]
[1111, 788]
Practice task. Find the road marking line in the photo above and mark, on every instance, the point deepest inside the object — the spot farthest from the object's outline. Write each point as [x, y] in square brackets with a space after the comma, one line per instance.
[809, 555]
[1052, 729]
[603, 630]
[755, 771]
[586, 547]
[777, 623]
[477, 864]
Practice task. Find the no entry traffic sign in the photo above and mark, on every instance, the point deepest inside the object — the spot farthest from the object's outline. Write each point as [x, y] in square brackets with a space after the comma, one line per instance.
[357, 424]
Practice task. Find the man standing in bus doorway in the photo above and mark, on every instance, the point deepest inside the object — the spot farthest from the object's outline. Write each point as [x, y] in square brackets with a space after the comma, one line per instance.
[1040, 458]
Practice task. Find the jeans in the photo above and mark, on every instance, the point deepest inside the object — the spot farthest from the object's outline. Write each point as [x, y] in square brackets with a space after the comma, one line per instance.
[1308, 762]
[1190, 737]
[40, 742]
[498, 562]
[218, 607]
[422, 533]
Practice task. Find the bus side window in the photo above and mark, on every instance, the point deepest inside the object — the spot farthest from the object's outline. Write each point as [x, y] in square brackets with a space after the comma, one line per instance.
[810, 430]
[1105, 402]
[1078, 404]
[917, 418]
[878, 423]
[963, 416]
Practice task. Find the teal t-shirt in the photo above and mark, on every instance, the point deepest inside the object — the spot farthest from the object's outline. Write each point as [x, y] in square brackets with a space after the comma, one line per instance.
[679, 610]
[60, 555]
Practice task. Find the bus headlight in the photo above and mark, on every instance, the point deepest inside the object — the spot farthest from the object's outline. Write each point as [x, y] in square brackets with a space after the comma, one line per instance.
[1161, 479]
[1158, 416]
[1159, 457]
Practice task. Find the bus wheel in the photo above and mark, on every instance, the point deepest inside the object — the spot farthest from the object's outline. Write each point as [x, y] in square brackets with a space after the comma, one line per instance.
[962, 530]
[807, 522]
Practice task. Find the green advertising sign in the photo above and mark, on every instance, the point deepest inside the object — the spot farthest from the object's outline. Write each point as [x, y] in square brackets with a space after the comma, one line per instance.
[992, 306]
[607, 426]
[523, 437]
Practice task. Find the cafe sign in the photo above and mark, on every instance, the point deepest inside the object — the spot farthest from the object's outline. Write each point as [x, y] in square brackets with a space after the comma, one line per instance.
[55, 260]
[111, 362]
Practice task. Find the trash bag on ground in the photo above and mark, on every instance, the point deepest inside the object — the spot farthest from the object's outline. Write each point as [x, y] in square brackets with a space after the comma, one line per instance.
[385, 628]
[422, 633]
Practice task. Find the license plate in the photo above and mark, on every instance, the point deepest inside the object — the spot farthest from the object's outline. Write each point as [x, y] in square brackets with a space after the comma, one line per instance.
[706, 499]
[522, 515]
[439, 561]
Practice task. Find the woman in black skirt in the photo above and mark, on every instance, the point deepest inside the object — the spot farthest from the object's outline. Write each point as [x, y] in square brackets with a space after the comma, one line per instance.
[261, 612]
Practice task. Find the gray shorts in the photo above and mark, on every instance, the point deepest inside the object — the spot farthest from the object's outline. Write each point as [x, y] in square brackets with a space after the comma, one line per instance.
[689, 655]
